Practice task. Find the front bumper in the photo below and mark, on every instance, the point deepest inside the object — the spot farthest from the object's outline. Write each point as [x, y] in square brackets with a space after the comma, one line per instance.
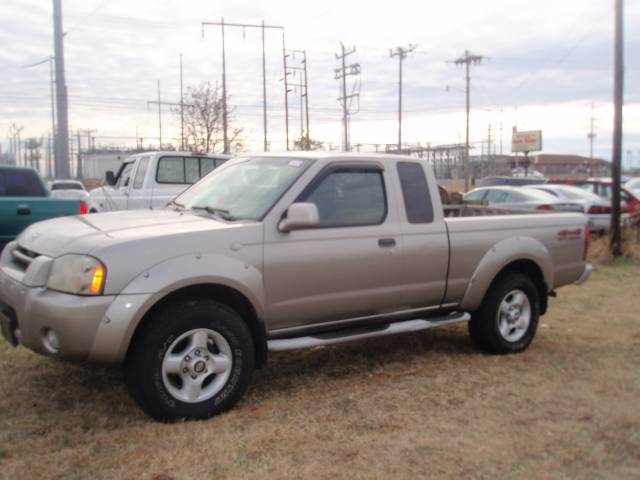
[35, 310]
[588, 268]
[88, 328]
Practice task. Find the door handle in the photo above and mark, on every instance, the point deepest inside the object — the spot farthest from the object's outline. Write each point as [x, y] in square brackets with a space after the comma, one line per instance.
[387, 242]
[23, 211]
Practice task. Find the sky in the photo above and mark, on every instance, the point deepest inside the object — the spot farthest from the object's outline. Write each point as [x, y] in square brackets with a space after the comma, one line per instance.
[546, 63]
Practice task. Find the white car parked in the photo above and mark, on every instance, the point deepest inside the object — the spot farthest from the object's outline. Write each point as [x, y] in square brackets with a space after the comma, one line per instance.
[596, 208]
[69, 190]
[151, 180]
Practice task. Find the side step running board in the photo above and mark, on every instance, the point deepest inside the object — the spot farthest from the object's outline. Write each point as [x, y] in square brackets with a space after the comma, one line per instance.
[330, 338]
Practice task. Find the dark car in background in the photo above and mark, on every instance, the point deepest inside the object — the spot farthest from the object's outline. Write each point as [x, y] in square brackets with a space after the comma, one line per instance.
[24, 200]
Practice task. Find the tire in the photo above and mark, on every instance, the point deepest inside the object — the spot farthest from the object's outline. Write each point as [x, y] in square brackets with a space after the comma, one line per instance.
[192, 360]
[507, 319]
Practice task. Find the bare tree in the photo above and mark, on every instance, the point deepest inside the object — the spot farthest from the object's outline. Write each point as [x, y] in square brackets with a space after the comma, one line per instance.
[306, 143]
[203, 120]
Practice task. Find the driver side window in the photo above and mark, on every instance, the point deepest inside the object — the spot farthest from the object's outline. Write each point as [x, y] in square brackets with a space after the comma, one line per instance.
[125, 176]
[349, 198]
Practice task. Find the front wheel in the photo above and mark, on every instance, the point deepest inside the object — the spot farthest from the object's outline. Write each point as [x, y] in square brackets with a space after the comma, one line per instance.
[194, 359]
[507, 320]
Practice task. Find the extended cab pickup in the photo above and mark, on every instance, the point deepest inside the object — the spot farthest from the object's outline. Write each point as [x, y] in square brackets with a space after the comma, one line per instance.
[279, 252]
[151, 180]
[24, 199]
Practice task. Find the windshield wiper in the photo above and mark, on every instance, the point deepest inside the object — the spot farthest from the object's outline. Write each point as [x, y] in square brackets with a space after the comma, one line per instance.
[176, 204]
[217, 212]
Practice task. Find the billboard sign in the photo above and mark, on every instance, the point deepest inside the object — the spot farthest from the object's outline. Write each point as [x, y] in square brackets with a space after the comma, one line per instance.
[530, 141]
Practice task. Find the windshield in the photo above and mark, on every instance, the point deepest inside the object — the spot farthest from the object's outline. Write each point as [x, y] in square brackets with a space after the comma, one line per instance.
[531, 195]
[246, 188]
[568, 192]
[66, 186]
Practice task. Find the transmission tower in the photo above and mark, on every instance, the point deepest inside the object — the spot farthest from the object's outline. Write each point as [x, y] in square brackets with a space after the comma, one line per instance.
[244, 26]
[345, 99]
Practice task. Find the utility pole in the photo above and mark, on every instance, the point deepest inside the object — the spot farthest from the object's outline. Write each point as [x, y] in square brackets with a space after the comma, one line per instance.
[306, 96]
[341, 74]
[303, 85]
[286, 92]
[160, 104]
[49, 158]
[618, 99]
[62, 131]
[401, 53]
[159, 119]
[244, 26]
[467, 60]
[79, 133]
[592, 134]
[19, 144]
[79, 155]
[14, 142]
[52, 143]
[181, 109]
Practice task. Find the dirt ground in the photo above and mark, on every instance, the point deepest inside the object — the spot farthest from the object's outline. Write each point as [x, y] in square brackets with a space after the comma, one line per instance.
[411, 406]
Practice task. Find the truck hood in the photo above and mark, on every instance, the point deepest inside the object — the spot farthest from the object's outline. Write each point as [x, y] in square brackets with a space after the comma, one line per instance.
[89, 233]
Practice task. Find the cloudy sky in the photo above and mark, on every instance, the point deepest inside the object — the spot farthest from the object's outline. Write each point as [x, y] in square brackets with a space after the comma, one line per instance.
[548, 60]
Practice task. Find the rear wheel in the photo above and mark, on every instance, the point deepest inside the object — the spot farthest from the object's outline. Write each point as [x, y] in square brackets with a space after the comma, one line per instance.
[507, 320]
[194, 359]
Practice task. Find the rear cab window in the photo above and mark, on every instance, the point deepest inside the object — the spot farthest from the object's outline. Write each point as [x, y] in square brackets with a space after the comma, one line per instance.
[185, 170]
[21, 183]
[415, 192]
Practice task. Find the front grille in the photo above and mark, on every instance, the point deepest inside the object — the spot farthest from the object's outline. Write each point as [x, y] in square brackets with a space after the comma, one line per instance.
[23, 256]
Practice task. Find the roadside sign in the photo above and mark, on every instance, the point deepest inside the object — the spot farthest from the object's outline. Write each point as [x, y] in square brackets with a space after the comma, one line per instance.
[530, 141]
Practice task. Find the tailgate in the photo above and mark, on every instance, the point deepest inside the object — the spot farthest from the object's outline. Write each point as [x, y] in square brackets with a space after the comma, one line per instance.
[17, 213]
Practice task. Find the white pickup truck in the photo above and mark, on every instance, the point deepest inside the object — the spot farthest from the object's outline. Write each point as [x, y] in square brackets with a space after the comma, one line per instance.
[151, 180]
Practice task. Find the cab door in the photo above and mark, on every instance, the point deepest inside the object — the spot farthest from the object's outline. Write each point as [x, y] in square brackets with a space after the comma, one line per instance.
[139, 196]
[346, 268]
[119, 196]
[425, 255]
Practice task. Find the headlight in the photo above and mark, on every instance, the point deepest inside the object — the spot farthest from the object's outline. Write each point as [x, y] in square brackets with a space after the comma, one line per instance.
[77, 274]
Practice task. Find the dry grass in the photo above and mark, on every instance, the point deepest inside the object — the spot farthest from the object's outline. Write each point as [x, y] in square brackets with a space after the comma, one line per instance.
[599, 251]
[417, 405]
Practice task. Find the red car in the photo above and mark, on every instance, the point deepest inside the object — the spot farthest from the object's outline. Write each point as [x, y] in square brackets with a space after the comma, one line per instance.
[602, 187]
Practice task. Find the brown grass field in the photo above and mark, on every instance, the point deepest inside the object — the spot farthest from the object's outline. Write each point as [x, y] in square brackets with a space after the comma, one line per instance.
[413, 406]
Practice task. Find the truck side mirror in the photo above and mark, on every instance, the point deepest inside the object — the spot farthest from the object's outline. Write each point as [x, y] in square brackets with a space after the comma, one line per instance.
[300, 216]
[110, 177]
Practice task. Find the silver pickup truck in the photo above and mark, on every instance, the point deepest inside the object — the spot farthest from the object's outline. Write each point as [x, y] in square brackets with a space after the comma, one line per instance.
[278, 252]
